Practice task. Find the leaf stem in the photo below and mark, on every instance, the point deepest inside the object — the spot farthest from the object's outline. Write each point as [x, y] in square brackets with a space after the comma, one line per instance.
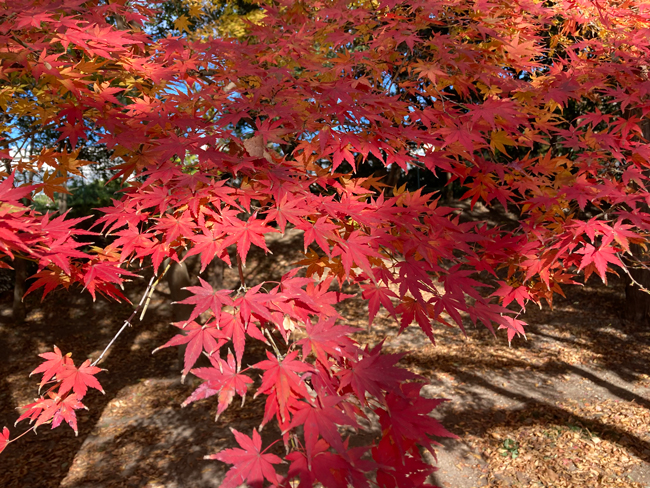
[241, 274]
[16, 438]
[275, 347]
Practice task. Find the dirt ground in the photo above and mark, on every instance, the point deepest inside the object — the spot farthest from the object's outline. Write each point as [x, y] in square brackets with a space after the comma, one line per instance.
[568, 407]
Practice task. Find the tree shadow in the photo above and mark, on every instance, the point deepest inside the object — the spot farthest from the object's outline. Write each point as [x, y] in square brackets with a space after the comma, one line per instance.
[74, 323]
[532, 413]
[593, 315]
[166, 448]
[583, 349]
[160, 444]
[156, 436]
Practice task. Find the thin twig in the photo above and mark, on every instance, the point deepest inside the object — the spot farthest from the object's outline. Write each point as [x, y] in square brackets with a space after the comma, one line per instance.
[395, 74]
[152, 288]
[442, 99]
[635, 282]
[126, 322]
[146, 297]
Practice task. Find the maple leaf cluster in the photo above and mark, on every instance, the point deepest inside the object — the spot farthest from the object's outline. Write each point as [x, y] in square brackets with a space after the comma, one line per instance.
[535, 109]
[69, 384]
[50, 242]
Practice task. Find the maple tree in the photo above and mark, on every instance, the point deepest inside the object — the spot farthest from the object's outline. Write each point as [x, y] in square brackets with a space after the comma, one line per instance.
[221, 142]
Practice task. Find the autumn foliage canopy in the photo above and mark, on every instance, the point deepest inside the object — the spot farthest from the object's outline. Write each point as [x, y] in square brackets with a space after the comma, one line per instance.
[534, 107]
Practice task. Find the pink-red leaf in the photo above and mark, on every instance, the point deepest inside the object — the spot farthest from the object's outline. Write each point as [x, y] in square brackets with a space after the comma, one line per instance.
[4, 439]
[198, 338]
[205, 298]
[55, 364]
[374, 374]
[250, 464]
[79, 379]
[223, 378]
[281, 376]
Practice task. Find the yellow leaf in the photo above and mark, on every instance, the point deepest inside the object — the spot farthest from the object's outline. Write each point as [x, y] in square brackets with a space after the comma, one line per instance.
[316, 265]
[488, 91]
[499, 139]
[196, 11]
[68, 162]
[553, 105]
[564, 178]
[182, 23]
[90, 66]
[52, 184]
[398, 191]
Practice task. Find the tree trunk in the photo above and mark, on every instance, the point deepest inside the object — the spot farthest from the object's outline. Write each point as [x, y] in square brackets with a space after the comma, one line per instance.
[178, 277]
[20, 266]
[393, 177]
[62, 202]
[637, 301]
[447, 191]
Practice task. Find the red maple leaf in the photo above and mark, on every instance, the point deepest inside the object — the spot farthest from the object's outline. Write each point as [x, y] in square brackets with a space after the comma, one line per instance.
[55, 364]
[198, 338]
[246, 233]
[65, 411]
[224, 378]
[208, 245]
[408, 418]
[420, 312]
[322, 419]
[79, 379]
[269, 130]
[356, 249]
[282, 377]
[4, 439]
[378, 295]
[620, 234]
[234, 329]
[513, 326]
[174, 228]
[520, 294]
[34, 410]
[204, 298]
[598, 258]
[132, 240]
[320, 231]
[374, 374]
[12, 195]
[42, 410]
[334, 470]
[325, 338]
[250, 464]
[300, 466]
[254, 302]
[395, 470]
[99, 275]
[287, 210]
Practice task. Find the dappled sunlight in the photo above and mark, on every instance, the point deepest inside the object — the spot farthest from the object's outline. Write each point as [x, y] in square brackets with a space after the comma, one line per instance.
[145, 442]
[576, 372]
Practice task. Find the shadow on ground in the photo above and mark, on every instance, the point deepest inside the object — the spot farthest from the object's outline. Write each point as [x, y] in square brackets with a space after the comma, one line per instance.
[581, 367]
[136, 434]
[540, 393]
